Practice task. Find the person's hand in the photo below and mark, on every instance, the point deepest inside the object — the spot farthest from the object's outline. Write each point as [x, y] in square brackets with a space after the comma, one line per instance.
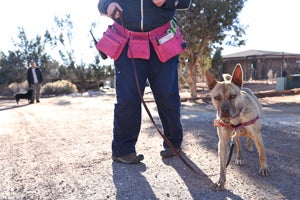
[111, 8]
[159, 3]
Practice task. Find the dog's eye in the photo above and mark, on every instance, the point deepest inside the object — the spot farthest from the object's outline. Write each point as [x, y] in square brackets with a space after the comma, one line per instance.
[232, 96]
[218, 98]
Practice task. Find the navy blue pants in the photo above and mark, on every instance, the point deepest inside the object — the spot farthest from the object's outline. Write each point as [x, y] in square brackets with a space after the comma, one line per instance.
[163, 79]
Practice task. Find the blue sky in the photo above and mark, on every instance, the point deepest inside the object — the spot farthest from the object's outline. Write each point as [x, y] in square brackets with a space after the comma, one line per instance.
[273, 24]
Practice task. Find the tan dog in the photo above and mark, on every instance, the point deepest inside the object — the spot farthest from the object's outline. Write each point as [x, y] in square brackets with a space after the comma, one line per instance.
[238, 114]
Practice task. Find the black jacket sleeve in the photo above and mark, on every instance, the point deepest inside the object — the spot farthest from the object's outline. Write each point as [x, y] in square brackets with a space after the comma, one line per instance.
[102, 6]
[177, 4]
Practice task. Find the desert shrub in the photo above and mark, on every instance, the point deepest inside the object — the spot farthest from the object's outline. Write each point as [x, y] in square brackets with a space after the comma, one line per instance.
[59, 88]
[17, 87]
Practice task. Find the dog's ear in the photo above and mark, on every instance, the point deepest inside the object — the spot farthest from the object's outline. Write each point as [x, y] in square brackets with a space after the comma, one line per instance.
[210, 80]
[237, 76]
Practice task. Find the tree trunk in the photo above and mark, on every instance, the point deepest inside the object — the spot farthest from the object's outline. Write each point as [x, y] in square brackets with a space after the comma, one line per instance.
[272, 93]
[192, 80]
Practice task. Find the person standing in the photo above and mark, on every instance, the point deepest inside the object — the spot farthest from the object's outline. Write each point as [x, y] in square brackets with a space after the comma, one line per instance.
[34, 79]
[142, 19]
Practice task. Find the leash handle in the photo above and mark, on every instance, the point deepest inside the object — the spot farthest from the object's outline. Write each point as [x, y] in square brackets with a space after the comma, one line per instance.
[115, 12]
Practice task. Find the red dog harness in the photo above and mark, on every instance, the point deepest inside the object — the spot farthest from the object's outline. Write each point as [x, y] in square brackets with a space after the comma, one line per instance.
[233, 128]
[219, 122]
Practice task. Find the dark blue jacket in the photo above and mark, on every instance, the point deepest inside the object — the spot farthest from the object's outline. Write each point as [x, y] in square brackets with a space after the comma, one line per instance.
[144, 15]
[30, 76]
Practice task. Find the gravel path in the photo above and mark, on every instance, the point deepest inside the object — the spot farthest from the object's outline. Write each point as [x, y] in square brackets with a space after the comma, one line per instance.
[60, 149]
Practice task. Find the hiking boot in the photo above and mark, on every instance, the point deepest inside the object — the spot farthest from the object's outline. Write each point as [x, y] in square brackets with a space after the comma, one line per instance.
[167, 153]
[129, 159]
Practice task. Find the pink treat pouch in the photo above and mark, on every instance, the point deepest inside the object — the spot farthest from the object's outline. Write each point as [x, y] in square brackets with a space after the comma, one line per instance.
[169, 45]
[139, 46]
[112, 43]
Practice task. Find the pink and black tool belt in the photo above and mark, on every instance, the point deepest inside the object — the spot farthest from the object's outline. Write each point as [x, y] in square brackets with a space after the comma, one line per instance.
[166, 40]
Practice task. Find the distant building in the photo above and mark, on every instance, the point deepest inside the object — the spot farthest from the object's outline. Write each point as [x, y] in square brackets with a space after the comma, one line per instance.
[262, 65]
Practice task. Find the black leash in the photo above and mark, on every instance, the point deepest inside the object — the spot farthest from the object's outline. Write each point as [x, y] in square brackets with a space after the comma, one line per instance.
[230, 153]
[145, 105]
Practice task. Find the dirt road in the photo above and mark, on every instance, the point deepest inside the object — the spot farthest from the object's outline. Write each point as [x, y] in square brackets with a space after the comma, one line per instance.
[60, 149]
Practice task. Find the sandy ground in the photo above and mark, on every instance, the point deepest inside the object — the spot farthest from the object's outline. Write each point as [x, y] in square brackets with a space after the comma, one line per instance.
[61, 149]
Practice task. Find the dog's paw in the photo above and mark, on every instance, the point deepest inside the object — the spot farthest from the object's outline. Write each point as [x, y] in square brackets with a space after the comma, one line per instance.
[218, 186]
[264, 172]
[239, 162]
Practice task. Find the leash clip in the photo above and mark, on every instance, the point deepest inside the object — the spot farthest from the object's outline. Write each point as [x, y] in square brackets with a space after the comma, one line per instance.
[233, 134]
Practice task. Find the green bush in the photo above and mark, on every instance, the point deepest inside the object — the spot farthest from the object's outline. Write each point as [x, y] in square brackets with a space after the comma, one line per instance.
[59, 88]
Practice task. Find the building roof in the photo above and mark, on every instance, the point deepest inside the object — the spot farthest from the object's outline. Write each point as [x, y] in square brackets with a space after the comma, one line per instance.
[259, 53]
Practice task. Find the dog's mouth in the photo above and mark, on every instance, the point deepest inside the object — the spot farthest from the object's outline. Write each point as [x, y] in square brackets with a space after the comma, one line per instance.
[225, 119]
[226, 116]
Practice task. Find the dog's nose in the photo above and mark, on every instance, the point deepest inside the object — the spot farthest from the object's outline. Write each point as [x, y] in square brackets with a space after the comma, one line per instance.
[225, 109]
[225, 112]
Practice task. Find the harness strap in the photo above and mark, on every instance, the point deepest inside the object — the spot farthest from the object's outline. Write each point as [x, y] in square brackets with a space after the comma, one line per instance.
[219, 122]
[238, 113]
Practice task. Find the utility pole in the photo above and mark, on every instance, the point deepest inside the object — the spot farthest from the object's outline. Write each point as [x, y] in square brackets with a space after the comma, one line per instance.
[281, 71]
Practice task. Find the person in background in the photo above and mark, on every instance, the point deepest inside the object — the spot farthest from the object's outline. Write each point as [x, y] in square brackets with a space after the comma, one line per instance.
[144, 16]
[34, 79]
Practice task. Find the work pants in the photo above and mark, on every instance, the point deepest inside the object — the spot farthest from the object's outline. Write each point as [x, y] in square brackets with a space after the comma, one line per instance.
[163, 79]
[36, 87]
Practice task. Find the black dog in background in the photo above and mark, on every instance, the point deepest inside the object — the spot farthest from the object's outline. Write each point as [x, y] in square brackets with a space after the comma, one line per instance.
[22, 95]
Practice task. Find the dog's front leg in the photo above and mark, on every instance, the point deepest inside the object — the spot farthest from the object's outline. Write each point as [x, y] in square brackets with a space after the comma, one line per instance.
[249, 145]
[239, 158]
[222, 149]
[264, 169]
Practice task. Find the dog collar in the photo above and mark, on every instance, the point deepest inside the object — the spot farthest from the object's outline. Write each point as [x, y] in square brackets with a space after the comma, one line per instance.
[238, 113]
[219, 122]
